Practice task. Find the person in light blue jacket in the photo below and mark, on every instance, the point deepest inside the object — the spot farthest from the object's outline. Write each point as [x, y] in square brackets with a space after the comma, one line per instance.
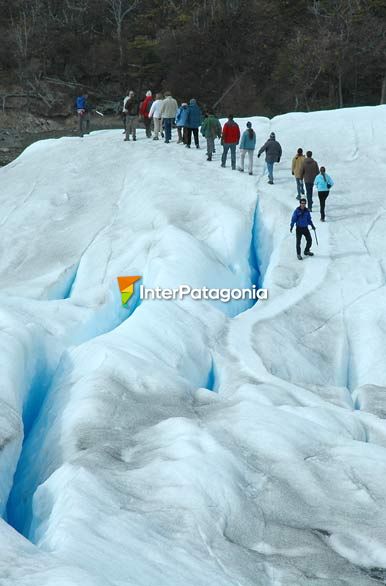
[180, 121]
[247, 145]
[323, 183]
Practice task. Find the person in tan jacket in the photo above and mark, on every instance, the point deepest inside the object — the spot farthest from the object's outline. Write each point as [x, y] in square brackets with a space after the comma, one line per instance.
[297, 164]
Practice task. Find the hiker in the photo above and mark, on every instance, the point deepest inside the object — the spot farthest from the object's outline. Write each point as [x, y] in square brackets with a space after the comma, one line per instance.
[297, 165]
[168, 113]
[230, 139]
[144, 110]
[302, 218]
[193, 122]
[130, 110]
[210, 129]
[83, 111]
[323, 183]
[155, 113]
[180, 122]
[247, 145]
[273, 152]
[308, 173]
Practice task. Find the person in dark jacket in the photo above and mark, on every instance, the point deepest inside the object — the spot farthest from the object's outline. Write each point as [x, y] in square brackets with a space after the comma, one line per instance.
[131, 110]
[308, 173]
[302, 219]
[230, 139]
[83, 111]
[180, 122]
[273, 152]
[144, 111]
[193, 122]
[210, 129]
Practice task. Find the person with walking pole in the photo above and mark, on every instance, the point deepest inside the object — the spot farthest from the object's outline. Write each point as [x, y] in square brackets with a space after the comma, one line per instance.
[302, 219]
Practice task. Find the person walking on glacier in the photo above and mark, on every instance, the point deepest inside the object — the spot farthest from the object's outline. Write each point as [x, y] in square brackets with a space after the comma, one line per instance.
[308, 173]
[193, 122]
[144, 110]
[273, 152]
[302, 219]
[210, 129]
[230, 139]
[155, 113]
[247, 145]
[180, 121]
[168, 112]
[297, 166]
[83, 111]
[130, 111]
[323, 183]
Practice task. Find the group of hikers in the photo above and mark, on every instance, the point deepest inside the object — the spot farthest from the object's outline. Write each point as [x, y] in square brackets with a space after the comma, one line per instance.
[162, 114]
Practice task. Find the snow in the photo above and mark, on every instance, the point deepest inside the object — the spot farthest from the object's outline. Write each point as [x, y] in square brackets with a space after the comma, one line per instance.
[193, 442]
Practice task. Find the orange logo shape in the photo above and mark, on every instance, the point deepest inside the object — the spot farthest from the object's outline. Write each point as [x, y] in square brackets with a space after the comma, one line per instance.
[126, 287]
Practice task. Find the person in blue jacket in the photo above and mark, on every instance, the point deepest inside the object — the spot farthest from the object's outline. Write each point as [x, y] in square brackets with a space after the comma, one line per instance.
[193, 121]
[323, 184]
[302, 219]
[247, 145]
[83, 111]
[180, 121]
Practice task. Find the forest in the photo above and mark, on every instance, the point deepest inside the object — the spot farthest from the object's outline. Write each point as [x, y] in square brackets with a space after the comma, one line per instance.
[243, 56]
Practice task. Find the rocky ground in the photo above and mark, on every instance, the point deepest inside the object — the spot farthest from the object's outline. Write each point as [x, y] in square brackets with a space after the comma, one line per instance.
[20, 129]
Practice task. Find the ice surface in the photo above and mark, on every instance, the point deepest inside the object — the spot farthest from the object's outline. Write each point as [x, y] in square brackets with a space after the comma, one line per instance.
[192, 442]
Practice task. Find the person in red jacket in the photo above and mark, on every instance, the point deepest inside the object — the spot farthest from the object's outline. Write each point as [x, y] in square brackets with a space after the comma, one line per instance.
[230, 139]
[144, 112]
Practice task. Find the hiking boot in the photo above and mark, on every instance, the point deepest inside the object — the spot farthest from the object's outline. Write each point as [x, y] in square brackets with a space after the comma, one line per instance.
[126, 139]
[322, 220]
[233, 168]
[270, 182]
[250, 173]
[155, 138]
[241, 170]
[197, 146]
[309, 253]
[209, 159]
[222, 165]
[300, 257]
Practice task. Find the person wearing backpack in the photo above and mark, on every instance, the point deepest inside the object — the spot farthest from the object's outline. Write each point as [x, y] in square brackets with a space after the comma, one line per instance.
[144, 112]
[308, 172]
[273, 152]
[210, 129]
[230, 139]
[302, 219]
[247, 145]
[83, 111]
[323, 183]
[297, 165]
[131, 110]
[180, 122]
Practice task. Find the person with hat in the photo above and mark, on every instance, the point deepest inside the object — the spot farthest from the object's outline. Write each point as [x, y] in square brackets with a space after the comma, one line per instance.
[180, 121]
[273, 152]
[144, 111]
[130, 111]
[309, 171]
[210, 129]
[247, 145]
[302, 219]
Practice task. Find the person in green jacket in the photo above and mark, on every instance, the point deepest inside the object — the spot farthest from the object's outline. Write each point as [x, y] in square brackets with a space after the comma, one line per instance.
[210, 129]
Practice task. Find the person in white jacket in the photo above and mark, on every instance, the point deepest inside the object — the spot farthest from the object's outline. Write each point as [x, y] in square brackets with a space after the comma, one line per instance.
[168, 112]
[155, 113]
[323, 183]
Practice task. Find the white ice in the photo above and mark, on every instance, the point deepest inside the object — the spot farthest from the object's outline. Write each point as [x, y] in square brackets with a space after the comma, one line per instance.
[193, 442]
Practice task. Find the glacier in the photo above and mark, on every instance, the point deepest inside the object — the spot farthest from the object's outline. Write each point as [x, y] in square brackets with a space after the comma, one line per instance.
[193, 442]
